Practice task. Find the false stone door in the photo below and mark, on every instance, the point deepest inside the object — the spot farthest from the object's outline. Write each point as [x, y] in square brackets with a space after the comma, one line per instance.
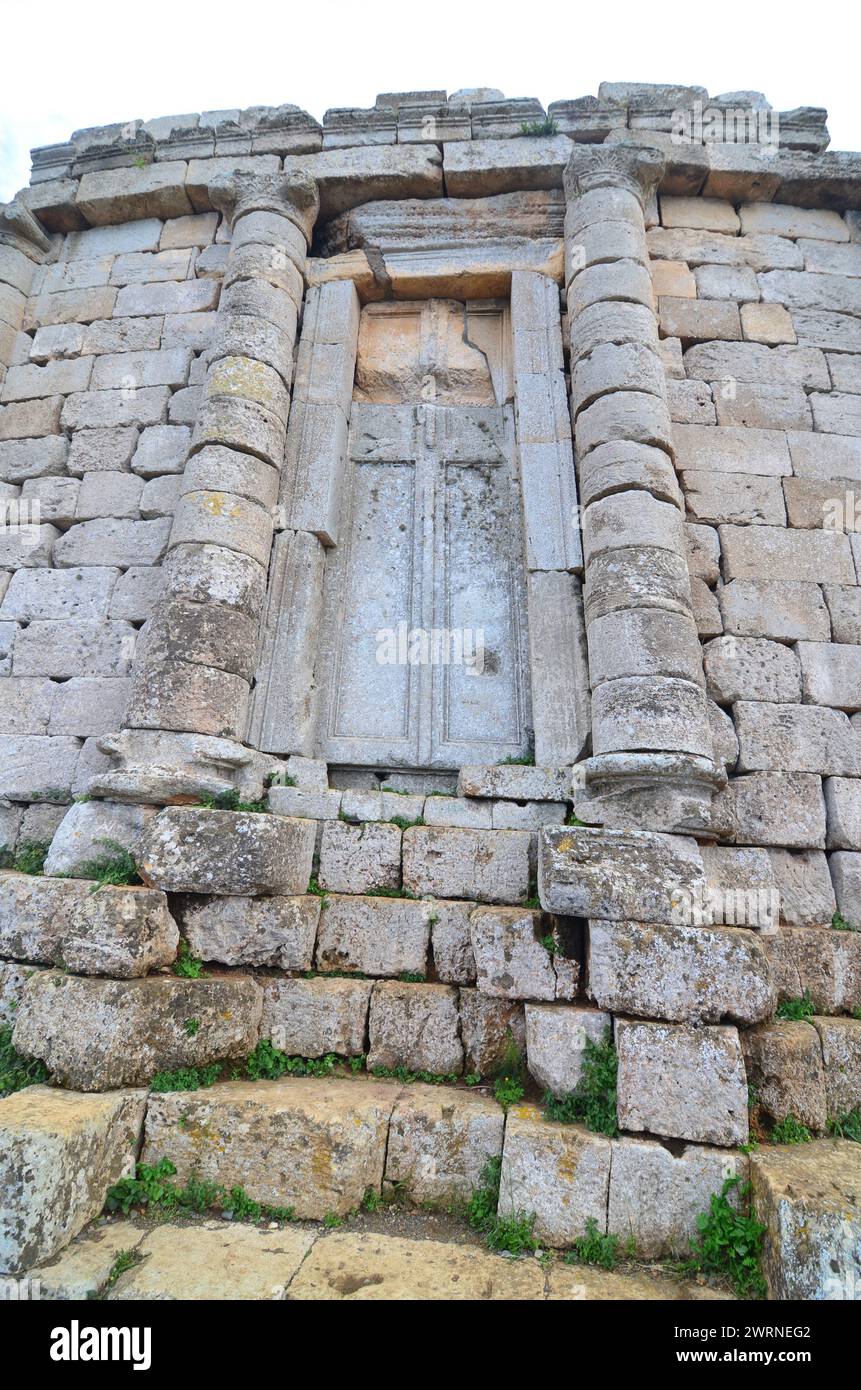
[422, 660]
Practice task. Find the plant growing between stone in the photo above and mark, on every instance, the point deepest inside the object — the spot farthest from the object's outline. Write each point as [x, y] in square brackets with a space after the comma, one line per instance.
[116, 869]
[152, 1188]
[30, 856]
[839, 923]
[186, 1078]
[790, 1131]
[847, 1126]
[126, 1259]
[510, 1076]
[796, 1010]
[232, 801]
[16, 1071]
[512, 1235]
[186, 965]
[729, 1242]
[593, 1101]
[593, 1248]
[546, 127]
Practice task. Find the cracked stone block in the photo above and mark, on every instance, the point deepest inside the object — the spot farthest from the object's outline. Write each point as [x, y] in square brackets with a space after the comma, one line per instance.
[783, 1061]
[808, 1200]
[492, 865]
[454, 962]
[440, 1140]
[656, 1196]
[510, 960]
[234, 853]
[491, 1030]
[310, 1018]
[415, 1026]
[274, 931]
[374, 935]
[841, 1059]
[313, 1145]
[556, 1037]
[86, 826]
[359, 858]
[616, 874]
[207, 1260]
[684, 973]
[95, 1035]
[83, 1269]
[59, 1154]
[559, 1172]
[681, 1081]
[824, 963]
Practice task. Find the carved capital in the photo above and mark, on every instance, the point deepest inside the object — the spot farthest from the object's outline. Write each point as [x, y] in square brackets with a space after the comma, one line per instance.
[19, 228]
[293, 196]
[637, 168]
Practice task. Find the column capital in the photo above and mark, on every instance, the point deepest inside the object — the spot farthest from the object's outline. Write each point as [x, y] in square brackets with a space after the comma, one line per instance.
[19, 228]
[637, 168]
[294, 196]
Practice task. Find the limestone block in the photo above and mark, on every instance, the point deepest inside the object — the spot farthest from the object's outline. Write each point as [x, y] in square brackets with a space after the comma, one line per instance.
[622, 465]
[359, 805]
[727, 282]
[749, 668]
[70, 306]
[159, 497]
[844, 607]
[358, 858]
[146, 405]
[209, 1259]
[783, 611]
[778, 808]
[734, 498]
[108, 495]
[223, 519]
[727, 449]
[215, 574]
[843, 809]
[123, 335]
[556, 1037]
[273, 931]
[31, 419]
[824, 457]
[673, 279]
[59, 1154]
[754, 363]
[167, 297]
[74, 646]
[830, 674]
[630, 519]
[782, 220]
[27, 545]
[28, 382]
[490, 1028]
[690, 402]
[704, 214]
[461, 811]
[559, 1172]
[84, 828]
[827, 964]
[21, 459]
[188, 698]
[559, 664]
[795, 738]
[806, 1196]
[133, 370]
[766, 407]
[492, 865]
[37, 768]
[55, 498]
[480, 168]
[233, 853]
[767, 323]
[749, 552]
[510, 960]
[682, 972]
[845, 370]
[107, 450]
[108, 196]
[683, 1082]
[25, 705]
[95, 1035]
[656, 1196]
[440, 1142]
[374, 935]
[194, 331]
[305, 801]
[313, 1145]
[310, 1018]
[650, 712]
[804, 885]
[514, 781]
[723, 732]
[612, 321]
[13, 982]
[616, 875]
[697, 320]
[531, 815]
[783, 1061]
[841, 1060]
[454, 962]
[415, 1026]
[822, 293]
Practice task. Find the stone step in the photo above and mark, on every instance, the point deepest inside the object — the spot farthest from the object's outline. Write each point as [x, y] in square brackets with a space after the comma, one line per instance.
[218, 1260]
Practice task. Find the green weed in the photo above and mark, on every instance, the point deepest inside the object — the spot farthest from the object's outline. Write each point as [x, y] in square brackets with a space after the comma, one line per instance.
[30, 856]
[729, 1242]
[16, 1071]
[115, 869]
[797, 1010]
[790, 1131]
[594, 1248]
[187, 965]
[593, 1101]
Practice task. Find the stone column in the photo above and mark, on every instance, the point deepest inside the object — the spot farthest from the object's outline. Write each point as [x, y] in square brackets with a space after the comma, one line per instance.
[23, 247]
[652, 764]
[188, 711]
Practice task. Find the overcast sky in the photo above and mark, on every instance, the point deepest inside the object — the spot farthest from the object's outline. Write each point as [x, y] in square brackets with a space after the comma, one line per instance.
[68, 66]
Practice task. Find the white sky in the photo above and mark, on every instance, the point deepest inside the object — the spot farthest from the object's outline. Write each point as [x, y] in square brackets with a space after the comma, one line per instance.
[67, 66]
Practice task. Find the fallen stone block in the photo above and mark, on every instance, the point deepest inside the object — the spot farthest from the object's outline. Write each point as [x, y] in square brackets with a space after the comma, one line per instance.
[374, 935]
[415, 1026]
[615, 874]
[561, 1173]
[274, 931]
[191, 850]
[313, 1145]
[683, 1082]
[680, 972]
[439, 1142]
[656, 1196]
[95, 1035]
[783, 1061]
[310, 1018]
[59, 1154]
[807, 1197]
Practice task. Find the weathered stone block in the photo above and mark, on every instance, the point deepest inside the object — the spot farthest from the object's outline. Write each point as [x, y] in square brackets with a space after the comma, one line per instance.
[13, 982]
[617, 875]
[86, 826]
[684, 1082]
[778, 808]
[110, 542]
[272, 931]
[359, 858]
[37, 768]
[492, 865]
[316, 1146]
[774, 609]
[747, 668]
[556, 1036]
[843, 809]
[749, 552]
[680, 971]
[831, 674]
[807, 1198]
[59, 1154]
[186, 850]
[510, 960]
[95, 1035]
[374, 935]
[559, 1172]
[825, 964]
[783, 1061]
[804, 887]
[734, 498]
[491, 1029]
[415, 1026]
[656, 1196]
[74, 647]
[310, 1018]
[844, 607]
[795, 738]
[440, 1141]
[841, 1060]
[695, 320]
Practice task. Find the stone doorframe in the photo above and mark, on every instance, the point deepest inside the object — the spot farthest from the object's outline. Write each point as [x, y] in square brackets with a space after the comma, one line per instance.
[284, 716]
